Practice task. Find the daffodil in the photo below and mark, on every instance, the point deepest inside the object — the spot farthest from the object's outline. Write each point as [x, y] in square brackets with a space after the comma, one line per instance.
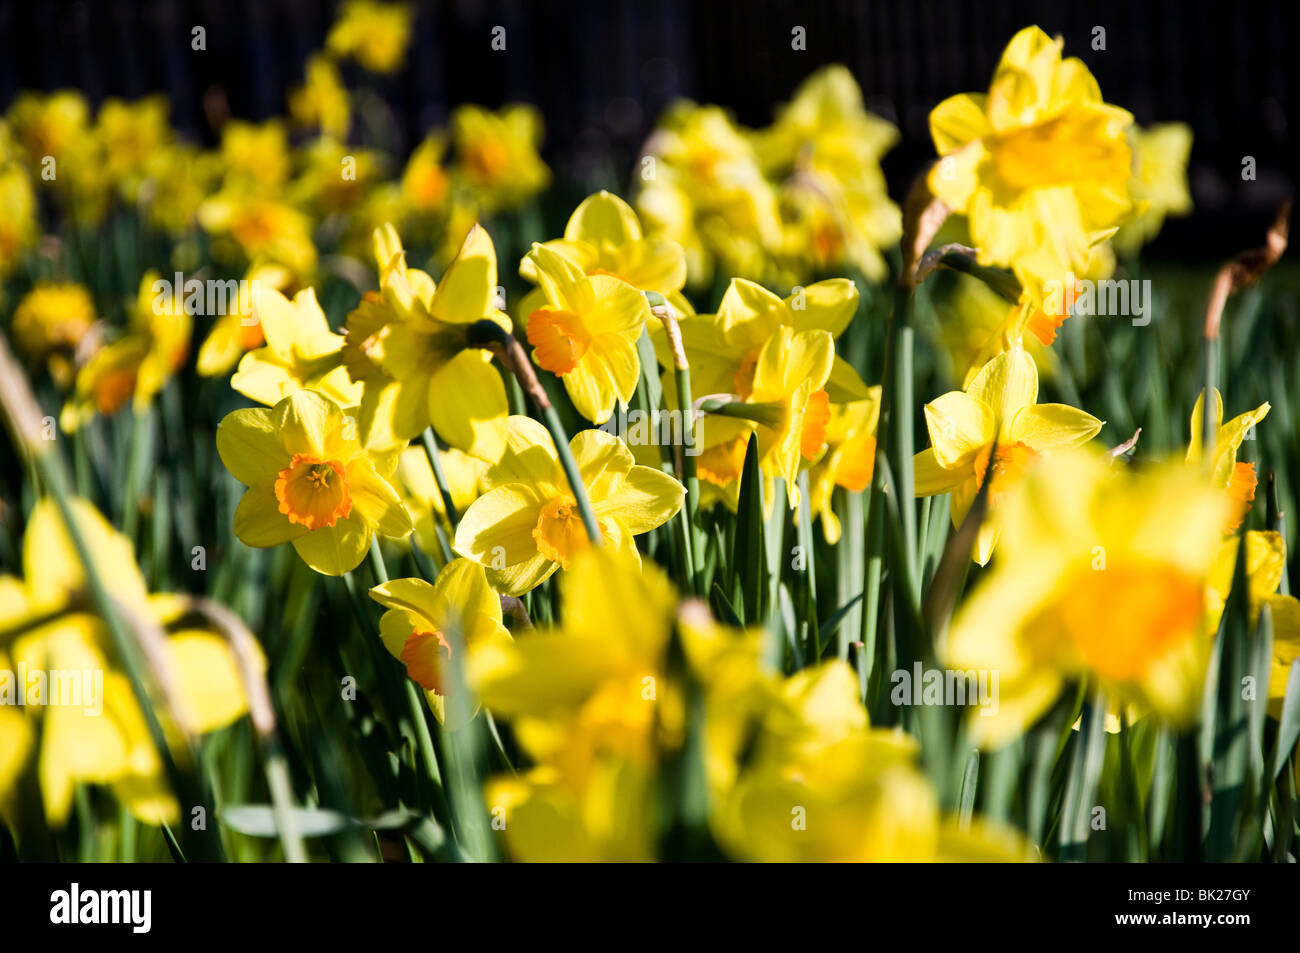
[994, 429]
[424, 621]
[1235, 478]
[1265, 569]
[48, 124]
[322, 99]
[130, 134]
[586, 333]
[409, 344]
[1101, 576]
[101, 736]
[239, 329]
[426, 184]
[180, 178]
[496, 155]
[1158, 184]
[251, 228]
[591, 703]
[310, 481]
[825, 148]
[374, 34]
[604, 237]
[50, 323]
[18, 226]
[136, 366]
[703, 187]
[850, 458]
[1039, 165]
[526, 525]
[301, 353]
[255, 155]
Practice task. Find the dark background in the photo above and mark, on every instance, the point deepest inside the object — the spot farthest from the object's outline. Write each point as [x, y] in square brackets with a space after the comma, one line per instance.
[601, 71]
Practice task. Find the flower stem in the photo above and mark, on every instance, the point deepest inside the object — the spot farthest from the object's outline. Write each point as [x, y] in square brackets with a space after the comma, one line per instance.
[507, 349]
[440, 477]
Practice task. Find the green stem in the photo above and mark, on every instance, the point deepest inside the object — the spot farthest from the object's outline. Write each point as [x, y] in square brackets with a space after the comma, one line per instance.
[440, 477]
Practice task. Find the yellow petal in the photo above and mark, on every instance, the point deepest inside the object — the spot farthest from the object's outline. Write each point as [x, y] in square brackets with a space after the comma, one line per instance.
[960, 427]
[1054, 426]
[249, 445]
[210, 692]
[334, 550]
[603, 220]
[497, 530]
[645, 498]
[468, 289]
[957, 120]
[467, 405]
[258, 520]
[1007, 383]
[375, 501]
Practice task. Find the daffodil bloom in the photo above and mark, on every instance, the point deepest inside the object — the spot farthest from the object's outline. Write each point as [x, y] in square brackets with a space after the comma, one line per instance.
[527, 524]
[424, 622]
[409, 344]
[49, 324]
[1158, 184]
[423, 499]
[250, 227]
[181, 177]
[100, 737]
[709, 194]
[586, 333]
[604, 237]
[724, 349]
[48, 124]
[130, 135]
[826, 149]
[1101, 576]
[496, 155]
[310, 481]
[426, 184]
[322, 100]
[790, 404]
[591, 704]
[993, 430]
[1237, 479]
[374, 34]
[301, 353]
[850, 458]
[1039, 165]
[1265, 568]
[239, 330]
[255, 155]
[335, 179]
[18, 226]
[138, 365]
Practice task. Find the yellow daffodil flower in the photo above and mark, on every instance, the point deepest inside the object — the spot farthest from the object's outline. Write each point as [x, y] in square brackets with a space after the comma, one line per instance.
[137, 365]
[586, 333]
[49, 324]
[239, 330]
[181, 177]
[849, 460]
[130, 135]
[526, 524]
[496, 155]
[100, 737]
[426, 184]
[322, 100]
[604, 237]
[995, 427]
[1102, 576]
[1265, 568]
[310, 482]
[1040, 164]
[301, 353]
[48, 124]
[247, 227]
[1237, 479]
[826, 149]
[424, 622]
[255, 155]
[591, 704]
[1158, 185]
[19, 229]
[408, 344]
[374, 34]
